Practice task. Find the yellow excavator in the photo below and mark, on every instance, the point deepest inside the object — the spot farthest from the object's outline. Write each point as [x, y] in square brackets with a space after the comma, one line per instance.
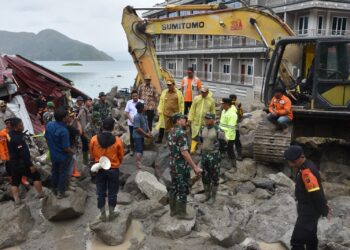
[314, 71]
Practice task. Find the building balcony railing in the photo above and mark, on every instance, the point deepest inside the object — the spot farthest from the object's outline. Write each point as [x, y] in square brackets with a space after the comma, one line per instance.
[322, 32]
[280, 3]
[219, 77]
[207, 43]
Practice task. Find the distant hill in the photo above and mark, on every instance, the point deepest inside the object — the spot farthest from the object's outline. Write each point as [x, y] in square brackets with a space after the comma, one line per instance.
[48, 45]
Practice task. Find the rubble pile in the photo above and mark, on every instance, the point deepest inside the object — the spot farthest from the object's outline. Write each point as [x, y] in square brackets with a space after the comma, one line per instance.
[255, 204]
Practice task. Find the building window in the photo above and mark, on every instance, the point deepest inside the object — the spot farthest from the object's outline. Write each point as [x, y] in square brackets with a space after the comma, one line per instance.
[339, 25]
[171, 65]
[193, 64]
[173, 14]
[303, 25]
[226, 68]
[250, 70]
[193, 38]
[320, 25]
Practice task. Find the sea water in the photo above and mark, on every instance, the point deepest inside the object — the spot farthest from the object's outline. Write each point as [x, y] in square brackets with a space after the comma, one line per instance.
[93, 77]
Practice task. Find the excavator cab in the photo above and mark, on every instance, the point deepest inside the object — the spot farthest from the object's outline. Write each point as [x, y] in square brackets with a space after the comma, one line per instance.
[315, 73]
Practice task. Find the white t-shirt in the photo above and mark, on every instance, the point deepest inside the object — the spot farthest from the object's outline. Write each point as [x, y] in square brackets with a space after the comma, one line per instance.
[131, 109]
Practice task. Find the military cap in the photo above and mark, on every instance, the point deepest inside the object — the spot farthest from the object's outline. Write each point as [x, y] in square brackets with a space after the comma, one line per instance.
[293, 153]
[50, 105]
[101, 94]
[80, 98]
[178, 116]
[209, 115]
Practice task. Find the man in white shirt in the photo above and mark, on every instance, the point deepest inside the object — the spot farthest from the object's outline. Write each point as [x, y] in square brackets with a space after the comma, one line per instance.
[130, 112]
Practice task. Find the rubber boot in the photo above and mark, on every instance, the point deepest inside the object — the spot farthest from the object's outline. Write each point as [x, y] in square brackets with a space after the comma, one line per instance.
[239, 154]
[184, 212]
[214, 190]
[112, 214]
[207, 192]
[193, 147]
[103, 216]
[233, 163]
[86, 158]
[172, 206]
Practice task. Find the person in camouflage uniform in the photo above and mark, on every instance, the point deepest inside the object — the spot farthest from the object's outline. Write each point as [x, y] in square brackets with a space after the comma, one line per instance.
[102, 108]
[179, 170]
[94, 126]
[211, 136]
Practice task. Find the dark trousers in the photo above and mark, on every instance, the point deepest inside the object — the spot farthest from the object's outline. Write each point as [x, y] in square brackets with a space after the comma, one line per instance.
[150, 116]
[85, 143]
[238, 144]
[305, 233]
[187, 107]
[60, 174]
[107, 183]
[161, 134]
[131, 130]
[230, 149]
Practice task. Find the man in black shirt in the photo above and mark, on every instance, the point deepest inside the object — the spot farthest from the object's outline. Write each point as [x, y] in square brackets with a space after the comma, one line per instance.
[20, 163]
[312, 203]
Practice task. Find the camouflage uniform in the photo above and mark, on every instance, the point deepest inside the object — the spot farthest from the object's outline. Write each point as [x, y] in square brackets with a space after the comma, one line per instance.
[102, 110]
[179, 170]
[94, 126]
[210, 158]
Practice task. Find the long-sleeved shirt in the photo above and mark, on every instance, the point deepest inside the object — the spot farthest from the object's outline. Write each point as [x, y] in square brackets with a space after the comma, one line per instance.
[228, 123]
[19, 151]
[309, 191]
[281, 107]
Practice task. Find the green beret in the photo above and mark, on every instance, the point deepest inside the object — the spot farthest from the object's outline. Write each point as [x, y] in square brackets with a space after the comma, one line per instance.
[178, 116]
[209, 115]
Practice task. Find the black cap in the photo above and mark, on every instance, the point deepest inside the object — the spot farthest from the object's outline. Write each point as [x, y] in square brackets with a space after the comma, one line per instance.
[278, 90]
[139, 105]
[101, 94]
[226, 100]
[293, 153]
[80, 98]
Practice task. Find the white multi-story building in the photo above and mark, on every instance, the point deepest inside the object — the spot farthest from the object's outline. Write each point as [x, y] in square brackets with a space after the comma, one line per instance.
[230, 64]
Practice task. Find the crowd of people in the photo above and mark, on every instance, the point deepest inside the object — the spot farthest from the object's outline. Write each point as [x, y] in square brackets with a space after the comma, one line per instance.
[88, 127]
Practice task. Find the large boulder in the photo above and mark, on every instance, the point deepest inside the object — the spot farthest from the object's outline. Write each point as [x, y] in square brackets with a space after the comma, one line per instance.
[341, 209]
[265, 183]
[150, 186]
[149, 158]
[245, 188]
[113, 233]
[143, 209]
[282, 180]
[69, 207]
[333, 190]
[170, 227]
[15, 224]
[246, 170]
[227, 236]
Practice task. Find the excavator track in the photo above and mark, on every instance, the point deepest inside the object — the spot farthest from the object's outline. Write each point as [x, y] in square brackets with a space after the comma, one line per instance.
[269, 144]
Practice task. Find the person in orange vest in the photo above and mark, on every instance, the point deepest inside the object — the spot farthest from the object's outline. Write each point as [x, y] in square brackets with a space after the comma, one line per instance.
[107, 180]
[280, 109]
[190, 87]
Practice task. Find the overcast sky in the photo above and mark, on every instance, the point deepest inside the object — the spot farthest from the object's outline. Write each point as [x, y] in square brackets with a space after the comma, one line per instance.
[96, 22]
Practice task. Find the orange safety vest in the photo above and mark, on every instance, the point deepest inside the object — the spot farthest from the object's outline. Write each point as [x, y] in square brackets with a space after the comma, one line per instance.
[4, 151]
[189, 85]
[282, 107]
[114, 153]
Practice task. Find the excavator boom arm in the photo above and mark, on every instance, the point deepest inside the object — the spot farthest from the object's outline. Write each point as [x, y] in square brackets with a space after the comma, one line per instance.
[246, 22]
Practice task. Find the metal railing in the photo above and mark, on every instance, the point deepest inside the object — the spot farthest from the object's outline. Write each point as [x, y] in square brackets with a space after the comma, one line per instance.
[281, 3]
[205, 43]
[322, 32]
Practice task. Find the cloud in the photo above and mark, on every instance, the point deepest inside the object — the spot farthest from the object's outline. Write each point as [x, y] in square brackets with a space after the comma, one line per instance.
[90, 21]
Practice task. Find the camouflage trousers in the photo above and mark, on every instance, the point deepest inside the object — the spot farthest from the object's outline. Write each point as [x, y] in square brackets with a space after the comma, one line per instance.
[211, 168]
[180, 182]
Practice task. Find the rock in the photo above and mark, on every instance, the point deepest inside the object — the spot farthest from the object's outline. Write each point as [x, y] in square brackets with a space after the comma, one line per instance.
[149, 158]
[281, 179]
[124, 198]
[242, 201]
[333, 190]
[263, 170]
[250, 244]
[332, 231]
[150, 186]
[67, 208]
[335, 172]
[265, 183]
[245, 188]
[113, 233]
[45, 174]
[227, 236]
[15, 224]
[341, 209]
[246, 170]
[142, 209]
[170, 227]
[117, 113]
[166, 177]
[261, 194]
